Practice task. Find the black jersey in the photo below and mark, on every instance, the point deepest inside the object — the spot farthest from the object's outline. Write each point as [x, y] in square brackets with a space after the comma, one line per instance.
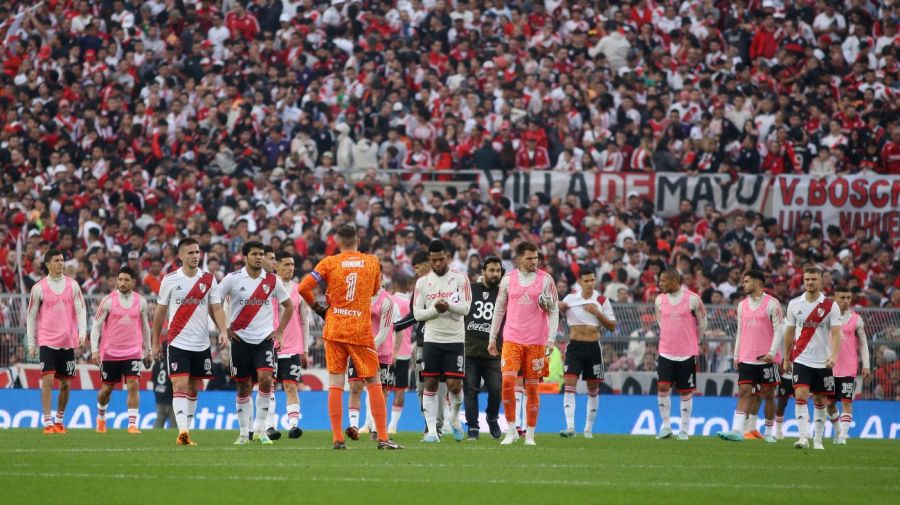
[478, 320]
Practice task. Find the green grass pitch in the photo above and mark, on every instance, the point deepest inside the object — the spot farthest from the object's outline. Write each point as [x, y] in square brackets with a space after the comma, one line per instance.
[85, 467]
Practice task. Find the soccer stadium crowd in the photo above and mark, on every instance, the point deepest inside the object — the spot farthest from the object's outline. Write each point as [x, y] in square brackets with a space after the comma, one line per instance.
[127, 125]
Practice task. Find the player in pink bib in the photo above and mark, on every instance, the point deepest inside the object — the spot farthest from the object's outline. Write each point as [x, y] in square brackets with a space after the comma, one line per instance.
[854, 348]
[294, 348]
[402, 350]
[383, 330]
[120, 341]
[56, 324]
[682, 319]
[529, 301]
[755, 348]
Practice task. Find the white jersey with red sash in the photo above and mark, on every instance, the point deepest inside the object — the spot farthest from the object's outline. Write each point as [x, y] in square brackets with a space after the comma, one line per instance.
[188, 300]
[577, 314]
[251, 315]
[813, 321]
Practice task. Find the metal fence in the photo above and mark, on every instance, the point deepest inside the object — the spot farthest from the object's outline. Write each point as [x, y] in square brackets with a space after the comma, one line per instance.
[632, 347]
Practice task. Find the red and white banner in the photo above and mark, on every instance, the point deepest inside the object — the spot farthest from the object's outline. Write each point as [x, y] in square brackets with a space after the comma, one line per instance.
[588, 186]
[865, 201]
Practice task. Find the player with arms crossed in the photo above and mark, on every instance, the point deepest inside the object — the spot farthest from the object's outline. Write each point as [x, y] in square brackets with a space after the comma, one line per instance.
[56, 323]
[854, 347]
[755, 347]
[120, 341]
[586, 312]
[188, 355]
[442, 300]
[252, 293]
[294, 346]
[682, 319]
[812, 354]
[352, 279]
[528, 301]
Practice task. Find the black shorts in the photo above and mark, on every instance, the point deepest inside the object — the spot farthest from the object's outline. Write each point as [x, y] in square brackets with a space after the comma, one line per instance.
[384, 373]
[786, 387]
[113, 371]
[683, 374]
[59, 362]
[196, 364]
[820, 381]
[765, 374]
[448, 360]
[401, 374]
[585, 360]
[289, 369]
[844, 387]
[248, 359]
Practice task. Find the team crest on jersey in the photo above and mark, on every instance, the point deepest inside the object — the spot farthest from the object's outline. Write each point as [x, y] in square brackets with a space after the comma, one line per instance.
[266, 288]
[203, 287]
[821, 312]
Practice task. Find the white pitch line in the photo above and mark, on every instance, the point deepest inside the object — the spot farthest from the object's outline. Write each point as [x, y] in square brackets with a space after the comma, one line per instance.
[420, 481]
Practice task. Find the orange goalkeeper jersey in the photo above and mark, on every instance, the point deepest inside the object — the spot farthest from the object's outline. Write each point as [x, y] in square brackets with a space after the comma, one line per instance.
[352, 279]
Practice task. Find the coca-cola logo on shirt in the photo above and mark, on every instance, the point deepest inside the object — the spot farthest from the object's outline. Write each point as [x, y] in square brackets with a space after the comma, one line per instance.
[480, 327]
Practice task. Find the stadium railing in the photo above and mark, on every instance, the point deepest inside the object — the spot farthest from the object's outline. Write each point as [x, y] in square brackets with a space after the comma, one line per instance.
[632, 348]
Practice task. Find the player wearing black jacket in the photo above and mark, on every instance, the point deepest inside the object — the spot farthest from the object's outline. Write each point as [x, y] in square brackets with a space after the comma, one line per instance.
[480, 365]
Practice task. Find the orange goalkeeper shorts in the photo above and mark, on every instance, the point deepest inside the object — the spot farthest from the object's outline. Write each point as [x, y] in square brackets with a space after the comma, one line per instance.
[527, 358]
[365, 359]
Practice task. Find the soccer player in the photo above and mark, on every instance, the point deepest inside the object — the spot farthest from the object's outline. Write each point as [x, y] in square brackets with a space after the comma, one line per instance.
[854, 347]
[480, 364]
[268, 266]
[422, 267]
[352, 279]
[402, 350]
[252, 294]
[682, 319]
[585, 312]
[812, 355]
[382, 314]
[188, 355]
[56, 324]
[785, 391]
[755, 346]
[293, 351]
[442, 300]
[528, 297]
[120, 341]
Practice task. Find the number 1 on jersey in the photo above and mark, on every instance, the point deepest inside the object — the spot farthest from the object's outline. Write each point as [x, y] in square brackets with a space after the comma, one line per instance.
[351, 286]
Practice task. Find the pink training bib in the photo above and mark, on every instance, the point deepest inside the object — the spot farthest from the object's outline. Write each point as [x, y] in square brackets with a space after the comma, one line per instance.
[847, 362]
[57, 325]
[526, 323]
[756, 331]
[677, 327]
[122, 337]
[386, 349]
[293, 341]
